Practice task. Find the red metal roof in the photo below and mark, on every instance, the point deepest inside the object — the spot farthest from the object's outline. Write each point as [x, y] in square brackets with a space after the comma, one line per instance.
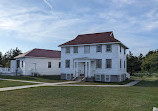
[41, 53]
[104, 37]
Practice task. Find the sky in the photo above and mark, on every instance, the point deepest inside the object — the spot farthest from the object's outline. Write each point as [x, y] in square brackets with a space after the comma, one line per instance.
[45, 24]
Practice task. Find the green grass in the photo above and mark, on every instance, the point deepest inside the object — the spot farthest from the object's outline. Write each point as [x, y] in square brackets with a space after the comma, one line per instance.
[147, 81]
[141, 97]
[51, 79]
[4, 83]
[105, 83]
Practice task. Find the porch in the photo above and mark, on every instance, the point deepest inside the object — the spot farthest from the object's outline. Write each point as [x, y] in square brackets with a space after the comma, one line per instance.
[83, 67]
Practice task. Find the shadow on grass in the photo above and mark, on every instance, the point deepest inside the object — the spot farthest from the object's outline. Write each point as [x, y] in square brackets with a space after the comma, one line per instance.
[30, 78]
[147, 83]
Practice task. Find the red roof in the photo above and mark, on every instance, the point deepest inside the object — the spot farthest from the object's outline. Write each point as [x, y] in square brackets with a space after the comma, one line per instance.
[41, 53]
[104, 37]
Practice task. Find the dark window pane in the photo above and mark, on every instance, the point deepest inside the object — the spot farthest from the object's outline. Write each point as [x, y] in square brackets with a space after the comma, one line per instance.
[49, 65]
[75, 49]
[99, 48]
[109, 48]
[59, 64]
[99, 63]
[67, 63]
[86, 49]
[67, 50]
[108, 63]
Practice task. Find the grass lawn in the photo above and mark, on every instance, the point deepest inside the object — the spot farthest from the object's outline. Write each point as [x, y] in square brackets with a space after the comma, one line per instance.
[51, 79]
[105, 83]
[4, 83]
[142, 97]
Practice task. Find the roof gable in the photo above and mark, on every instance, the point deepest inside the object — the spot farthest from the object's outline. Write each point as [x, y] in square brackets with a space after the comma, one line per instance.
[41, 53]
[105, 37]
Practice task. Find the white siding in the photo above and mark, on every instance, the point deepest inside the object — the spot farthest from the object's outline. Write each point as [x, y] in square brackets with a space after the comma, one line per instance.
[115, 55]
[41, 66]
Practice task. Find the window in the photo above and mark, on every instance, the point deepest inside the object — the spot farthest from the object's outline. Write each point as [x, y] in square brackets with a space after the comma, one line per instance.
[124, 51]
[124, 64]
[67, 50]
[75, 49]
[18, 63]
[86, 49]
[22, 64]
[49, 65]
[98, 63]
[107, 77]
[59, 64]
[98, 77]
[67, 63]
[108, 63]
[99, 48]
[120, 48]
[120, 64]
[108, 48]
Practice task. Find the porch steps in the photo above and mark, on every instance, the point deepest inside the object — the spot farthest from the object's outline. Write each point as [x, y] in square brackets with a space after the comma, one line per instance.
[81, 78]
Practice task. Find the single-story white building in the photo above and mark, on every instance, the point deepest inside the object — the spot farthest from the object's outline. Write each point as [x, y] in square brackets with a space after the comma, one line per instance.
[37, 61]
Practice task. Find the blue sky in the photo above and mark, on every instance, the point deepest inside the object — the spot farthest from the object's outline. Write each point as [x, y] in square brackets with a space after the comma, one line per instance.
[45, 24]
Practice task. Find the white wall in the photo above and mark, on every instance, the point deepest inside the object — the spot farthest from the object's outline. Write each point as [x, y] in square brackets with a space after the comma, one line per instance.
[115, 55]
[41, 66]
[13, 65]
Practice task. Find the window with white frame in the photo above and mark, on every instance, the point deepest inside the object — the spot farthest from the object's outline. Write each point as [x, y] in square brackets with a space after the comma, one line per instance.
[108, 63]
[98, 63]
[86, 49]
[67, 63]
[22, 64]
[49, 65]
[124, 51]
[109, 48]
[75, 49]
[107, 77]
[99, 48]
[120, 63]
[98, 77]
[120, 48]
[18, 63]
[67, 50]
[124, 64]
[59, 64]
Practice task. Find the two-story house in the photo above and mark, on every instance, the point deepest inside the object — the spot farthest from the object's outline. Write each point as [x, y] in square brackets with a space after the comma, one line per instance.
[98, 56]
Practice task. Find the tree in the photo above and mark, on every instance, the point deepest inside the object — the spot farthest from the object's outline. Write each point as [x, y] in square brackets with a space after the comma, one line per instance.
[1, 58]
[134, 63]
[9, 55]
[150, 62]
[16, 52]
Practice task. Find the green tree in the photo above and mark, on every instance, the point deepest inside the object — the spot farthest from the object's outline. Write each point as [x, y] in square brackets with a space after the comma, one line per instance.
[134, 63]
[150, 62]
[10, 55]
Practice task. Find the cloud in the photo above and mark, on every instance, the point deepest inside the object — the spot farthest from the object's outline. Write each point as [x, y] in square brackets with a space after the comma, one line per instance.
[49, 4]
[36, 24]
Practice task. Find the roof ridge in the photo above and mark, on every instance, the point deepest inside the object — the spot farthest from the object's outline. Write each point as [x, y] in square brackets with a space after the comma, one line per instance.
[45, 49]
[96, 33]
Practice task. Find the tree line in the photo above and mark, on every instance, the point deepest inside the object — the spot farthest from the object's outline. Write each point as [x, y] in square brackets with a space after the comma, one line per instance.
[147, 63]
[5, 59]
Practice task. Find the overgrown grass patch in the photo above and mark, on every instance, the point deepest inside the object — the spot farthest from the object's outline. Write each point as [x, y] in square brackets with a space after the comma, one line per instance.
[105, 83]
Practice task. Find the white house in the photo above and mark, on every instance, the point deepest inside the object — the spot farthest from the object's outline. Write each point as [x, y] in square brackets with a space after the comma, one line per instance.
[98, 56]
[37, 61]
